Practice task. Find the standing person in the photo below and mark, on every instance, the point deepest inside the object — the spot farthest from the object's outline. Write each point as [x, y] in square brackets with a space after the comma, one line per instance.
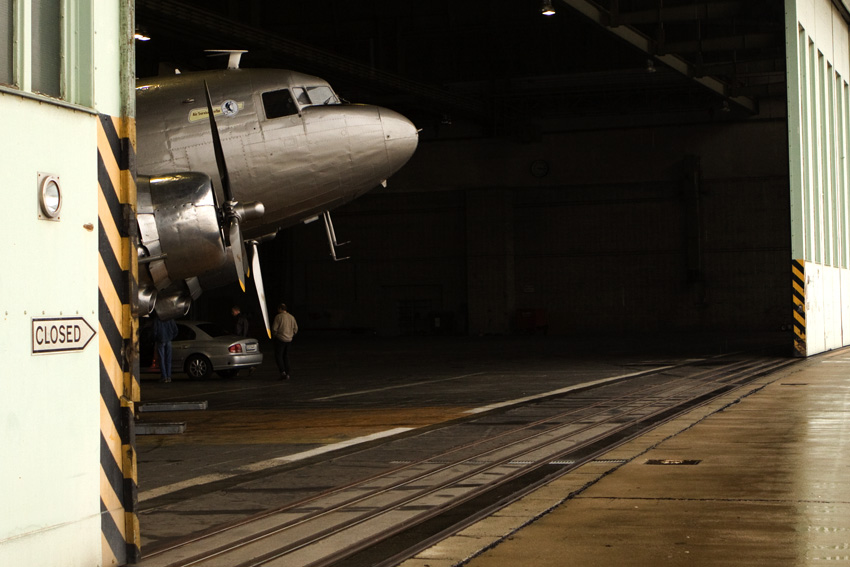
[283, 331]
[163, 333]
[240, 327]
[240, 324]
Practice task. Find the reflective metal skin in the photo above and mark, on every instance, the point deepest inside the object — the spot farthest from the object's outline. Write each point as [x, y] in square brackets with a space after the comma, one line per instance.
[293, 151]
[297, 165]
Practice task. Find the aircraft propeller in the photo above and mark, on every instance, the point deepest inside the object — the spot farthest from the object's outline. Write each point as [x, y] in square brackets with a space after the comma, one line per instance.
[258, 283]
[232, 218]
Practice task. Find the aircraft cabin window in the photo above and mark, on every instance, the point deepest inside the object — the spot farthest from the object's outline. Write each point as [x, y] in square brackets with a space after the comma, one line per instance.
[279, 103]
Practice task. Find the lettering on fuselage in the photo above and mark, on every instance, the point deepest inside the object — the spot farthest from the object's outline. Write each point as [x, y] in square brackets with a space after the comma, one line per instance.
[227, 108]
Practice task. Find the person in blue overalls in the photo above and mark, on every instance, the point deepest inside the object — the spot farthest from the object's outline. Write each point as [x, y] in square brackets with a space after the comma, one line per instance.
[163, 333]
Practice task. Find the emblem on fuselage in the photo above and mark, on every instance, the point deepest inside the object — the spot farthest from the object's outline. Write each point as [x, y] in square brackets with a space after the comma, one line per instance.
[229, 108]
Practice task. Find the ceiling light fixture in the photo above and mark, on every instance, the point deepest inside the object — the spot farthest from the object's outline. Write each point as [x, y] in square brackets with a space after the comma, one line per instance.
[547, 9]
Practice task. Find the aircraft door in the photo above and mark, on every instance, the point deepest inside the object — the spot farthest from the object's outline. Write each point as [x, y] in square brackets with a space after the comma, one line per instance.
[285, 145]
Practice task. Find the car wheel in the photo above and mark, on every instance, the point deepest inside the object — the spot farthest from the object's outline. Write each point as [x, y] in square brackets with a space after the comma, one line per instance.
[229, 373]
[198, 366]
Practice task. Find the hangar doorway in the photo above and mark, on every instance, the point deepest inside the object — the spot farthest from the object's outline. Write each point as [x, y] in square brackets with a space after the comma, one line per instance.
[583, 205]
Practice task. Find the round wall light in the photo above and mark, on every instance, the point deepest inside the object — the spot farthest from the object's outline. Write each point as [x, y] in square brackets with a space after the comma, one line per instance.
[49, 196]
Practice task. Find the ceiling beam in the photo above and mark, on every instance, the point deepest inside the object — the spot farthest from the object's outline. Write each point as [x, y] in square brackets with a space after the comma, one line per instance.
[704, 11]
[647, 45]
[743, 67]
[729, 43]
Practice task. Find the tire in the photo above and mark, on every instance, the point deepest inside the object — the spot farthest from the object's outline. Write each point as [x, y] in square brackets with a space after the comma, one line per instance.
[229, 373]
[198, 366]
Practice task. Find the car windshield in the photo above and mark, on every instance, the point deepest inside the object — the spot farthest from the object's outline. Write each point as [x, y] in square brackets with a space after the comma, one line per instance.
[212, 329]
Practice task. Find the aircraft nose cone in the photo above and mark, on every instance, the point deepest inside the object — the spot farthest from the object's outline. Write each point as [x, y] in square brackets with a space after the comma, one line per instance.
[400, 138]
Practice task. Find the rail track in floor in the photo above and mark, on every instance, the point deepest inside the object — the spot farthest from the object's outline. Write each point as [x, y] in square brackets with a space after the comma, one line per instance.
[431, 485]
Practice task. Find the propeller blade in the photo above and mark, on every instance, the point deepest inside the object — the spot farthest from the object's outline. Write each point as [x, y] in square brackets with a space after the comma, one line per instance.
[234, 236]
[231, 210]
[219, 152]
[246, 265]
[258, 283]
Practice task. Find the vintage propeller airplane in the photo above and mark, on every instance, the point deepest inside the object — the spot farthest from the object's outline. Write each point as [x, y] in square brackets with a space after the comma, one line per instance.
[286, 148]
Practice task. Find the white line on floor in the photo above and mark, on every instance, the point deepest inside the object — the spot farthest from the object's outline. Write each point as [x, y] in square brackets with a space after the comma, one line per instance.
[407, 385]
[565, 390]
[263, 465]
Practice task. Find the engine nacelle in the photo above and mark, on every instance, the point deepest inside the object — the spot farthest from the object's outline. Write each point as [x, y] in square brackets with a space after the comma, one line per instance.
[179, 238]
[173, 305]
[147, 300]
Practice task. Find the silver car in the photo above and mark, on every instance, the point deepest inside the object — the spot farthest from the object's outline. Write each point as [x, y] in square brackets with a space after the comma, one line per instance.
[202, 348]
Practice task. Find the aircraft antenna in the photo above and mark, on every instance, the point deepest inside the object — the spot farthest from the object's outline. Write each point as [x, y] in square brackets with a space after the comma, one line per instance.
[234, 56]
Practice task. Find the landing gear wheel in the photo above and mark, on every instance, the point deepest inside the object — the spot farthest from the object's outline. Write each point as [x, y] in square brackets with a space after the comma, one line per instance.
[198, 366]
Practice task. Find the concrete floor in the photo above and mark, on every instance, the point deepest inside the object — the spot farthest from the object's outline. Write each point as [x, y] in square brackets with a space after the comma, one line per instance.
[772, 487]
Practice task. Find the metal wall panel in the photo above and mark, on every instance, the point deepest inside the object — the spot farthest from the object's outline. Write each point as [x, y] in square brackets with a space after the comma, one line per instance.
[817, 63]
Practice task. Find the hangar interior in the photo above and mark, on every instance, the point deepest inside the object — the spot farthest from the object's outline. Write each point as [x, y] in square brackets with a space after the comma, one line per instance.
[619, 167]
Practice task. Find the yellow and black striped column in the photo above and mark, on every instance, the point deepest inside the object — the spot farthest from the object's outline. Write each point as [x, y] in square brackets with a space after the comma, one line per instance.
[798, 295]
[118, 333]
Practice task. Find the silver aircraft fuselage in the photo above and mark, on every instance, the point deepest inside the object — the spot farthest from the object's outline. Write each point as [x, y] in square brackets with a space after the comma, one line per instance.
[288, 140]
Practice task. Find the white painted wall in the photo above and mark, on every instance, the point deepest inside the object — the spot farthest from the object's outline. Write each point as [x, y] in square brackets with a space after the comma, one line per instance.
[50, 407]
[49, 404]
[832, 334]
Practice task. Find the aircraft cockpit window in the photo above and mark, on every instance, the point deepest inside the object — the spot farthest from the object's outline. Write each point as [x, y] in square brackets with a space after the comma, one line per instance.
[301, 95]
[315, 96]
[279, 103]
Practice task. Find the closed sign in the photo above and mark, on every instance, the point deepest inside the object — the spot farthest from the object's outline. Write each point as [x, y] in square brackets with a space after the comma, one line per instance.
[63, 334]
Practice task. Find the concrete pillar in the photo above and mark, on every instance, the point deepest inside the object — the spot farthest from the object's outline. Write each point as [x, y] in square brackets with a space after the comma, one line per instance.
[490, 261]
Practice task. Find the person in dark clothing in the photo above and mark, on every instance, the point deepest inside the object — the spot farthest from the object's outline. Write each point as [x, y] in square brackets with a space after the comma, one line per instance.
[240, 324]
[240, 327]
[163, 333]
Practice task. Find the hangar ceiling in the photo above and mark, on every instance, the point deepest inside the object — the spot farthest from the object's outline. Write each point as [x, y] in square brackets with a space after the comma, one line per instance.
[497, 67]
